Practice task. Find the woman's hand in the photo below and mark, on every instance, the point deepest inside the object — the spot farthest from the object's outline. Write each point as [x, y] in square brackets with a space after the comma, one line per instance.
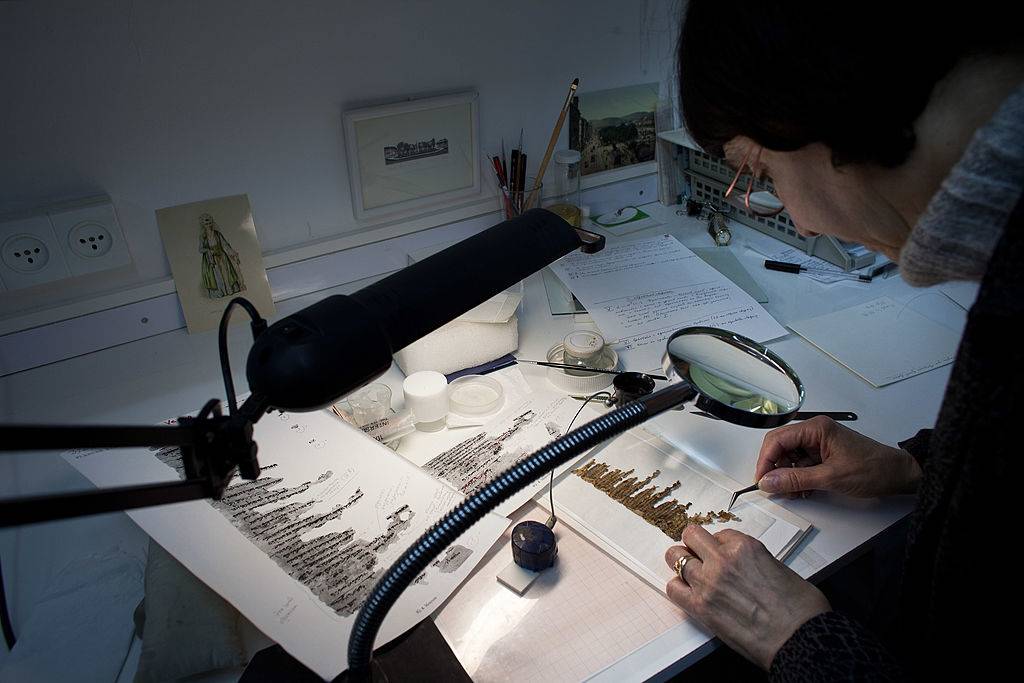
[738, 590]
[820, 454]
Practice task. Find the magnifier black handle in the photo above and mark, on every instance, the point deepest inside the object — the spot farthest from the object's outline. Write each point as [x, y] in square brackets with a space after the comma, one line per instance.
[837, 416]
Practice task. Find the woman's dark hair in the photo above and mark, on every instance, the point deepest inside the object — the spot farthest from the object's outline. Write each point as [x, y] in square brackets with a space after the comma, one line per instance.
[852, 75]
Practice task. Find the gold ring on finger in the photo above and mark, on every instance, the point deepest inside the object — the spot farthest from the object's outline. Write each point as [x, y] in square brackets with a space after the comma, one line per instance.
[680, 564]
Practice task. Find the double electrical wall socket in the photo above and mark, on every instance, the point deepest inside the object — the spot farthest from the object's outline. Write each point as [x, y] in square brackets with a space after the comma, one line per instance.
[30, 253]
[89, 235]
[61, 241]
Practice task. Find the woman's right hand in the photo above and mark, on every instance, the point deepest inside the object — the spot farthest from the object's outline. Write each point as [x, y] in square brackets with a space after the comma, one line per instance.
[822, 455]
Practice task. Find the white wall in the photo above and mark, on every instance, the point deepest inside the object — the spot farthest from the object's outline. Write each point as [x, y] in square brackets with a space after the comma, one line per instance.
[160, 103]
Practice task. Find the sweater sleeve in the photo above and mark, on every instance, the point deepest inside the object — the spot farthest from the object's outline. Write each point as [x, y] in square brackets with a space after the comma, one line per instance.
[832, 647]
[918, 445]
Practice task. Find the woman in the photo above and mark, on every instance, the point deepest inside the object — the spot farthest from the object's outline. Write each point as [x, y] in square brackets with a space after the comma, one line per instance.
[900, 128]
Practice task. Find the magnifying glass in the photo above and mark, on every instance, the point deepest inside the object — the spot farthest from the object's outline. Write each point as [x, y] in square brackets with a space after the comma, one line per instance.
[735, 378]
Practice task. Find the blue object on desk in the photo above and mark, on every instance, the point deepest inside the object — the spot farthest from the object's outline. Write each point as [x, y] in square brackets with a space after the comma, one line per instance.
[490, 366]
[533, 546]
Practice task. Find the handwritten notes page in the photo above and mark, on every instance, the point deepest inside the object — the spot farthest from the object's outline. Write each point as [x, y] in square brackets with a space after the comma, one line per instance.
[640, 292]
[626, 510]
[298, 550]
[881, 341]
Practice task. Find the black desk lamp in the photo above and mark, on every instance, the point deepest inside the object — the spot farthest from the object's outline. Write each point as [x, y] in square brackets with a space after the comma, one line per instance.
[310, 359]
[304, 362]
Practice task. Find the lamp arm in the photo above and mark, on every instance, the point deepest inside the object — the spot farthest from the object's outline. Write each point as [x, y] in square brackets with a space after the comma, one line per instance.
[443, 533]
[213, 446]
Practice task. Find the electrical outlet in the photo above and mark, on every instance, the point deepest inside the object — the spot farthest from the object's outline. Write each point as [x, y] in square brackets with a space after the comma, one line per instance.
[90, 236]
[29, 253]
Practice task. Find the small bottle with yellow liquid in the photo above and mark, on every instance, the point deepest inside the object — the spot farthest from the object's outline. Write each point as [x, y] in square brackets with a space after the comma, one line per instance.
[565, 181]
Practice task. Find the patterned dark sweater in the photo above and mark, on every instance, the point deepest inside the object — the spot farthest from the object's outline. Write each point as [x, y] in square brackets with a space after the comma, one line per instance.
[959, 593]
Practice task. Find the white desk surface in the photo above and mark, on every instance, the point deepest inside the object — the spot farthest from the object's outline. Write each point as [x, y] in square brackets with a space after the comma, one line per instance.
[149, 380]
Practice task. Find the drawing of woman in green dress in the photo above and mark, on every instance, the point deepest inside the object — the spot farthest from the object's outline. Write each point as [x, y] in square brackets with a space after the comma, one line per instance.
[221, 268]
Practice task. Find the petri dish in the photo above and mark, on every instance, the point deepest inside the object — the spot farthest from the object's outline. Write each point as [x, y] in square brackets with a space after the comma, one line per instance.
[472, 395]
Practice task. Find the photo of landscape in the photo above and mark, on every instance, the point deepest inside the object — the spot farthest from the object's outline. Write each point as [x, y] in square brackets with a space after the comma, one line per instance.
[614, 128]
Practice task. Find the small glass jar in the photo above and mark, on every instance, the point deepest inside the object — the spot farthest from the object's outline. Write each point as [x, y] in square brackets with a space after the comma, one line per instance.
[582, 348]
[366, 405]
[564, 180]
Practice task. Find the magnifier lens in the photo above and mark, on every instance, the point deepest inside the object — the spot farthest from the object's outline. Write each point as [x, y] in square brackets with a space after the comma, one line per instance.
[737, 378]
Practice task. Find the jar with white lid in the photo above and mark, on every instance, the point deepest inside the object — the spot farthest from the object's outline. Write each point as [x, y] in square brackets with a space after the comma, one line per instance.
[582, 348]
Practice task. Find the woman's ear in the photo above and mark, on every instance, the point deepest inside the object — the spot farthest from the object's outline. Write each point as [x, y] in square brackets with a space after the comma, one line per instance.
[736, 149]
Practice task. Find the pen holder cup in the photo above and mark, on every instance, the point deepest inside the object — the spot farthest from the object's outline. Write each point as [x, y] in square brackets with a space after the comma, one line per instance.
[514, 202]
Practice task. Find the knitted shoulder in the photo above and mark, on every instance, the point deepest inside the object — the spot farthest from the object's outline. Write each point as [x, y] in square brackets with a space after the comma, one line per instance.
[833, 647]
[1002, 288]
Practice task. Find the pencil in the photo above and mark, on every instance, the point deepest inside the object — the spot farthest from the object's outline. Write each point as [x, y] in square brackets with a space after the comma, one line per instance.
[552, 142]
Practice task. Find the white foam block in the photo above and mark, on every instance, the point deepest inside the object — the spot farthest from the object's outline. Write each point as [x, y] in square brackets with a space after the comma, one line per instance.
[459, 345]
[517, 579]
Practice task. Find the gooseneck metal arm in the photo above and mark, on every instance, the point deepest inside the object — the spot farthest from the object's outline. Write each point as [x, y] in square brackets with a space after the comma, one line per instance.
[442, 534]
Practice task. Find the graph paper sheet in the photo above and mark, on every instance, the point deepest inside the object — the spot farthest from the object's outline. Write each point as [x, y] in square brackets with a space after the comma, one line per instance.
[298, 550]
[580, 616]
[585, 617]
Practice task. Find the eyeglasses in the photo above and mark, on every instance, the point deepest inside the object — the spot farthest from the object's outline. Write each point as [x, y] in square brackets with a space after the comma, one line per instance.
[761, 203]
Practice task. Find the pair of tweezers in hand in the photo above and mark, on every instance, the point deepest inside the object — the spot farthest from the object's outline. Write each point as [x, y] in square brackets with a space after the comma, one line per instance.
[737, 494]
[754, 487]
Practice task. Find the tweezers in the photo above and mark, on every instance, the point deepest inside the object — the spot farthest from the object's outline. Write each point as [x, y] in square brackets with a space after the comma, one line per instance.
[737, 494]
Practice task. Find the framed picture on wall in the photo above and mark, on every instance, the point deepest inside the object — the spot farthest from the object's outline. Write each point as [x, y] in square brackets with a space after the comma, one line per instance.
[409, 156]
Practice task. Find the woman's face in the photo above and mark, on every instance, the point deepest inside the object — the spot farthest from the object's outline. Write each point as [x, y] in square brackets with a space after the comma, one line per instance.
[822, 199]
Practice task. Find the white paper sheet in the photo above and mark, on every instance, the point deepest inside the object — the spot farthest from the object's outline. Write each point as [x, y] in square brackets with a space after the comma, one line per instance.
[961, 293]
[881, 341]
[640, 292]
[640, 545]
[298, 550]
[507, 439]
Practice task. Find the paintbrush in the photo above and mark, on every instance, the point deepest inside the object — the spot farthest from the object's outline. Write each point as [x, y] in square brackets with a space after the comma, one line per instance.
[566, 366]
[552, 142]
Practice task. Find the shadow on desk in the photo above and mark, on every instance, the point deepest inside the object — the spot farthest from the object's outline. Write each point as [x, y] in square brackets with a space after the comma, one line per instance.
[422, 654]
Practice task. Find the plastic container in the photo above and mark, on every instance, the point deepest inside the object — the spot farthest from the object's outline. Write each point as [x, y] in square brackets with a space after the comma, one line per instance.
[473, 395]
[426, 396]
[368, 404]
[581, 382]
[582, 348]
